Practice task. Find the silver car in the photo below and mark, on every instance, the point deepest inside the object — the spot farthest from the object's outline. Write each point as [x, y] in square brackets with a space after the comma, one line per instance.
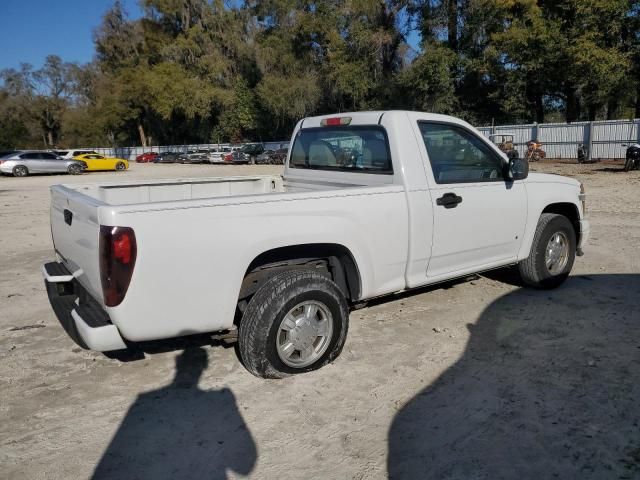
[26, 162]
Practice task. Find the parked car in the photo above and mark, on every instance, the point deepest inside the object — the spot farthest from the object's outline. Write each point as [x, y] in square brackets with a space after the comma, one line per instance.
[211, 155]
[23, 163]
[193, 156]
[247, 153]
[147, 157]
[97, 162]
[218, 155]
[73, 153]
[167, 157]
[418, 199]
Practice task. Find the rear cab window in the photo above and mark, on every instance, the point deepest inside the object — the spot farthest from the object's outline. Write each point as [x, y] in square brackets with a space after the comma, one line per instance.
[360, 149]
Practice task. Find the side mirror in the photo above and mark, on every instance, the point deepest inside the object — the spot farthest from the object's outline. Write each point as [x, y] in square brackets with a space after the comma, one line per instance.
[518, 169]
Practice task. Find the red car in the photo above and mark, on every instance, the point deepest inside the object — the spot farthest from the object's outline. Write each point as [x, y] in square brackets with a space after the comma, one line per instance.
[146, 157]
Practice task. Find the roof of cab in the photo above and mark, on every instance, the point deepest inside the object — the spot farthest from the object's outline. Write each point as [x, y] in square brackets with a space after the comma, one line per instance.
[374, 117]
[357, 118]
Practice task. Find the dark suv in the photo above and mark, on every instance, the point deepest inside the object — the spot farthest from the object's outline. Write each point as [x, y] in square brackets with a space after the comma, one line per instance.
[248, 153]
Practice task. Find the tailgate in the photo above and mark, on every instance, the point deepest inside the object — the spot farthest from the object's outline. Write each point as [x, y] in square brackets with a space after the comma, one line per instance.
[75, 230]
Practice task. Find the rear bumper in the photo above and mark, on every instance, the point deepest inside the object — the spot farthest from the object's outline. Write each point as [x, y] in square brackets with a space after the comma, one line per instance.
[82, 318]
[7, 167]
[585, 231]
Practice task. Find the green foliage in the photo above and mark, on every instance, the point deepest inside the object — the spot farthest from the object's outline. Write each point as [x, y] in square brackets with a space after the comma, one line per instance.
[427, 84]
[201, 70]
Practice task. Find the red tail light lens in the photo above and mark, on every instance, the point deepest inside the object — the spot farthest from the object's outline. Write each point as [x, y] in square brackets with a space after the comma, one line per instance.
[335, 121]
[118, 252]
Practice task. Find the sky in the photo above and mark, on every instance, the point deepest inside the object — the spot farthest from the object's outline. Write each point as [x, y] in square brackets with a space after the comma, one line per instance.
[32, 29]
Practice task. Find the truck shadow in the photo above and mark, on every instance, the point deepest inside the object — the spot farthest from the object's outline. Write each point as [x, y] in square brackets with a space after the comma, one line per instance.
[180, 431]
[547, 387]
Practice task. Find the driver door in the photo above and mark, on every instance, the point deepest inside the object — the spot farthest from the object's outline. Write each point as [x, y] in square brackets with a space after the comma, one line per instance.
[479, 215]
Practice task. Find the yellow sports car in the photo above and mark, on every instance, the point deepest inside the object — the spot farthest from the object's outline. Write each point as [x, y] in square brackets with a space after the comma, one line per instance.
[100, 162]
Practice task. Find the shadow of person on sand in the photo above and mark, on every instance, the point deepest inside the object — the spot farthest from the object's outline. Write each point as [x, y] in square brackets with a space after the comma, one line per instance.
[548, 387]
[180, 431]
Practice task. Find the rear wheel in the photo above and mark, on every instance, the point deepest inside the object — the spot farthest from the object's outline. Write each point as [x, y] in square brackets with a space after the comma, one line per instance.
[74, 169]
[296, 322]
[20, 171]
[120, 166]
[552, 253]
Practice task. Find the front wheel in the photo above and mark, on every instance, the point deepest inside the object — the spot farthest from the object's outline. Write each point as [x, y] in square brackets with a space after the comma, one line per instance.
[120, 166]
[296, 322]
[552, 253]
[628, 164]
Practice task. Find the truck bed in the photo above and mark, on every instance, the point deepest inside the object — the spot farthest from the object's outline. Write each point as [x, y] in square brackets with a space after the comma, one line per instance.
[196, 189]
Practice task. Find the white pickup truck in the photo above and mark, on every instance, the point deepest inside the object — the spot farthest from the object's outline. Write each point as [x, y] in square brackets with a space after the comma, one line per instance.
[370, 204]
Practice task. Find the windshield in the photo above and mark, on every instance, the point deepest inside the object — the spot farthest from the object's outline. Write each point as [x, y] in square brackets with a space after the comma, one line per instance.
[363, 149]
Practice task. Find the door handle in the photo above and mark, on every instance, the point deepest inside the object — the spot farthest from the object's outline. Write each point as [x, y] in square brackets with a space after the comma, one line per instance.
[449, 200]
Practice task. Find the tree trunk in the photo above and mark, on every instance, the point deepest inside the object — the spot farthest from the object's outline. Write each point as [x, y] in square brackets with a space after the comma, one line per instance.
[50, 138]
[572, 106]
[612, 108]
[143, 137]
[539, 109]
[452, 24]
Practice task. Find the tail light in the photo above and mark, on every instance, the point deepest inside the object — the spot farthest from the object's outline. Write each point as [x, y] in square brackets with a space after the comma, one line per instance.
[118, 252]
[335, 121]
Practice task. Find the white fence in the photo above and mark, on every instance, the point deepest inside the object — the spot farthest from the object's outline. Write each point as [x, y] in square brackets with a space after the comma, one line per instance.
[603, 139]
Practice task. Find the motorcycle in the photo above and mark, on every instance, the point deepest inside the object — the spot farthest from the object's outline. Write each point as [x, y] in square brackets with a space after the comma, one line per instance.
[534, 151]
[632, 161]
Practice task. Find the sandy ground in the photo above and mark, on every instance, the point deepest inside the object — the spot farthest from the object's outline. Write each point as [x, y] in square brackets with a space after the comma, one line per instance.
[474, 380]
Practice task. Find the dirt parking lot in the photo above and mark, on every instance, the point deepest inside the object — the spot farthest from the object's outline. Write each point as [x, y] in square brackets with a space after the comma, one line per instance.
[478, 379]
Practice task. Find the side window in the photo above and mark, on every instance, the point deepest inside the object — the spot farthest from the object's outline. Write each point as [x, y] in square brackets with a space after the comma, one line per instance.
[29, 156]
[47, 156]
[458, 156]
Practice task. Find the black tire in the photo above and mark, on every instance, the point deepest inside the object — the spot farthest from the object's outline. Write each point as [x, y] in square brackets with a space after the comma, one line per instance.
[74, 169]
[264, 313]
[20, 171]
[533, 270]
[120, 166]
[627, 164]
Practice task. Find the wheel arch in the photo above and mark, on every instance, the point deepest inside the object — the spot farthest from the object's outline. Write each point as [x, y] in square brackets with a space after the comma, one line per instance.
[334, 259]
[568, 210]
